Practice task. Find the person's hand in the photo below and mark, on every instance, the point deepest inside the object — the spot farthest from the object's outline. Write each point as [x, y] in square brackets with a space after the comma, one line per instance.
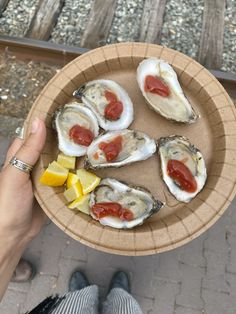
[20, 217]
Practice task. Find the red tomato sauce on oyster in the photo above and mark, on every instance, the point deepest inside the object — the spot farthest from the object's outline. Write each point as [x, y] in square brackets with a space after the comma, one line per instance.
[112, 148]
[105, 209]
[156, 85]
[96, 156]
[182, 175]
[80, 135]
[114, 108]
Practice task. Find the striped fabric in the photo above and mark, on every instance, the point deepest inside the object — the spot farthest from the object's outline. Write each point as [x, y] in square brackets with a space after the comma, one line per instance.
[120, 302]
[85, 301]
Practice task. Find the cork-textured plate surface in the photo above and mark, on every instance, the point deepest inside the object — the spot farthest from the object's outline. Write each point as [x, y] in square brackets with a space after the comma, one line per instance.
[214, 134]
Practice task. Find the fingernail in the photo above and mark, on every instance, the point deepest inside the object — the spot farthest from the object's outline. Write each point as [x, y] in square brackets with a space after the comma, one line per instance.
[35, 125]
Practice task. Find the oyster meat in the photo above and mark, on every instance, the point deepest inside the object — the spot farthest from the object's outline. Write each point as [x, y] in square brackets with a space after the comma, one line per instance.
[109, 102]
[162, 91]
[76, 127]
[183, 167]
[118, 205]
[119, 148]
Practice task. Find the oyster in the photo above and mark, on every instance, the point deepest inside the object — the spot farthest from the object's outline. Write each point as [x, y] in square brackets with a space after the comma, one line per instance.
[76, 127]
[109, 102]
[119, 148]
[183, 167]
[161, 89]
[118, 205]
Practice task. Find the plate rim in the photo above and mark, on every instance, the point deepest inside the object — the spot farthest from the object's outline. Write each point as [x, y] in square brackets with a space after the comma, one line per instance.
[124, 52]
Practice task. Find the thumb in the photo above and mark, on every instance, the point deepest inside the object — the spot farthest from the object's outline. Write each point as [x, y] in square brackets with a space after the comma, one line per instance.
[31, 149]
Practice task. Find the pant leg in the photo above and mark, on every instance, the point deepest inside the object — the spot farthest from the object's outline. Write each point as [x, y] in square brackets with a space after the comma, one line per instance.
[120, 302]
[84, 301]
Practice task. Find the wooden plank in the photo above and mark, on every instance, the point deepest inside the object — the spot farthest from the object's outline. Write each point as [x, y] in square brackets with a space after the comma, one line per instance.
[3, 5]
[40, 51]
[152, 20]
[44, 19]
[211, 43]
[99, 23]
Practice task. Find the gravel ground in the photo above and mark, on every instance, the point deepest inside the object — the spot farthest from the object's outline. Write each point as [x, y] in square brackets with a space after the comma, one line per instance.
[182, 25]
[72, 22]
[181, 28]
[126, 22]
[229, 52]
[16, 18]
[20, 85]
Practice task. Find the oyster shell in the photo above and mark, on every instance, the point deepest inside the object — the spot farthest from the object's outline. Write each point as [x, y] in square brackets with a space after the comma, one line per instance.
[94, 95]
[172, 103]
[177, 154]
[137, 200]
[134, 146]
[65, 119]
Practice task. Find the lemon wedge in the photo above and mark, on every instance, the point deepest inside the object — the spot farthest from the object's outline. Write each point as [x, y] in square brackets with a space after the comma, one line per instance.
[66, 161]
[54, 175]
[73, 192]
[82, 204]
[88, 180]
[71, 180]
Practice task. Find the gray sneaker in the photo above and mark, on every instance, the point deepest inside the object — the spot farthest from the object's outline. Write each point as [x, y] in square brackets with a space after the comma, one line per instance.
[78, 281]
[120, 280]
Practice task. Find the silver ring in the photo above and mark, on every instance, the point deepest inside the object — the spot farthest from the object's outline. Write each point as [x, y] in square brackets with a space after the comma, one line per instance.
[19, 164]
[20, 132]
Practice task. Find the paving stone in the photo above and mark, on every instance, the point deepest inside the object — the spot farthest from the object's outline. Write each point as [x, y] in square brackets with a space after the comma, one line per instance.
[23, 287]
[215, 273]
[99, 270]
[52, 229]
[33, 252]
[216, 240]
[120, 262]
[185, 310]
[12, 302]
[169, 266]
[74, 250]
[145, 303]
[190, 293]
[217, 303]
[41, 287]
[66, 267]
[143, 278]
[163, 283]
[192, 253]
[231, 279]
[231, 218]
[52, 248]
[165, 295]
[216, 253]
[216, 282]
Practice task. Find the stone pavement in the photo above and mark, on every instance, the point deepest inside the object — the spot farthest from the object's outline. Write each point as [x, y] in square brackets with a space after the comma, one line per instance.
[199, 277]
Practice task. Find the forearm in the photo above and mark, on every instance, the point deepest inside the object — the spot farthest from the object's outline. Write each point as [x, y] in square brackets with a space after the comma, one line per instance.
[10, 254]
[19, 220]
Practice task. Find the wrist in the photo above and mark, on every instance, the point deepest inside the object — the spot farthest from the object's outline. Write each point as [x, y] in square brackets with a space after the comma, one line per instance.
[11, 241]
[10, 254]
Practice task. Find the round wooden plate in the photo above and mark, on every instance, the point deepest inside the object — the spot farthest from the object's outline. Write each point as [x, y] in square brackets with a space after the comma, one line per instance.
[214, 134]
